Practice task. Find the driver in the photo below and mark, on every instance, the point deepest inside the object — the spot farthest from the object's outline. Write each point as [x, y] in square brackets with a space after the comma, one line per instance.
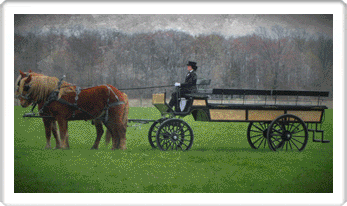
[189, 85]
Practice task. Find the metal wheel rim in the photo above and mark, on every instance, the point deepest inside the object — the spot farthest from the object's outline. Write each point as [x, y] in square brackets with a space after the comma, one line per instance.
[257, 134]
[174, 134]
[287, 132]
[152, 133]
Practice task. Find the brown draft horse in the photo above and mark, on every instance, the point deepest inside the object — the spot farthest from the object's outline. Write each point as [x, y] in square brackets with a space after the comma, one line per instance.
[50, 124]
[93, 103]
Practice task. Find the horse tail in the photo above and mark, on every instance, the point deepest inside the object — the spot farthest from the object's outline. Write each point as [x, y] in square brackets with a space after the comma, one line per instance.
[126, 111]
[123, 118]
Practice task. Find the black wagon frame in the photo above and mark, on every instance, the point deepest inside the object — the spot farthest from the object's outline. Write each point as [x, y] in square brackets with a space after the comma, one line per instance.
[277, 125]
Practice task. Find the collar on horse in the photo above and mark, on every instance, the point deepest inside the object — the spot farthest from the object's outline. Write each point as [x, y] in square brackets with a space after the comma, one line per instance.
[53, 96]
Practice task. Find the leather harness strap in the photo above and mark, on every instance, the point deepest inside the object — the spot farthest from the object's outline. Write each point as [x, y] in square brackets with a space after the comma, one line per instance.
[110, 105]
[78, 91]
[75, 106]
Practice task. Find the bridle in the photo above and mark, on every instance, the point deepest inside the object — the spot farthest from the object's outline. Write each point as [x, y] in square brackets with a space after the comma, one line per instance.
[27, 96]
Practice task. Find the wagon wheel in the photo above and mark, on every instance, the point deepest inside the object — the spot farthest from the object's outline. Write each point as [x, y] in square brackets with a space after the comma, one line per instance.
[257, 134]
[152, 133]
[287, 131]
[174, 134]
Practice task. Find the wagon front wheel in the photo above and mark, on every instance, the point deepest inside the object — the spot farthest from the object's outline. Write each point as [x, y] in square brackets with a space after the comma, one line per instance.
[287, 132]
[152, 133]
[257, 134]
[174, 134]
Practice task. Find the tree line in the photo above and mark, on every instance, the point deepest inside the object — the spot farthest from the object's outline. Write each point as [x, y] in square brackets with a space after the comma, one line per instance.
[270, 58]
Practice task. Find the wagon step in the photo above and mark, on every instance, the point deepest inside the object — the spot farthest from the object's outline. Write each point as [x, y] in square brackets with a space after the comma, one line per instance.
[318, 140]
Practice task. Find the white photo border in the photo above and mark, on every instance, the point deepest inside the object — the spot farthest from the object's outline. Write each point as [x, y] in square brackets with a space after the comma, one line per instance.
[10, 8]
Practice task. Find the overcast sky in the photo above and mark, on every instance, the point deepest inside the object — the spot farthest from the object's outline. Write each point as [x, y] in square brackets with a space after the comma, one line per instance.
[195, 24]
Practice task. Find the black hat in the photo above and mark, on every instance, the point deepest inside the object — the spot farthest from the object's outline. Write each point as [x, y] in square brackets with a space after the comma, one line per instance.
[193, 65]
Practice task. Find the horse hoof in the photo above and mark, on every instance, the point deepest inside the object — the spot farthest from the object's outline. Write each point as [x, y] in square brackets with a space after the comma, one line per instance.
[94, 148]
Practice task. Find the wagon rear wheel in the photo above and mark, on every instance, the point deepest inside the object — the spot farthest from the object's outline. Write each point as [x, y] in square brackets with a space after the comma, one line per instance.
[257, 134]
[287, 132]
[152, 133]
[174, 134]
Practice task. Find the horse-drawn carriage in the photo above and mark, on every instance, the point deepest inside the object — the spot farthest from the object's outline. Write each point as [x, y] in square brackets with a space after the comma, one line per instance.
[281, 126]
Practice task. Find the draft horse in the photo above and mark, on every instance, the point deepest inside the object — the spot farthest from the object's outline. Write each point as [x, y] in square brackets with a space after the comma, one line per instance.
[62, 102]
[50, 124]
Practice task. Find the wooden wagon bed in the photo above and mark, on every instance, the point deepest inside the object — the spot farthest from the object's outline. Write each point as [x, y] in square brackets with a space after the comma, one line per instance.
[272, 120]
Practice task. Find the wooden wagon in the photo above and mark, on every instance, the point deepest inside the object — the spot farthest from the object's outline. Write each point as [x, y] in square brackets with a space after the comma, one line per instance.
[282, 124]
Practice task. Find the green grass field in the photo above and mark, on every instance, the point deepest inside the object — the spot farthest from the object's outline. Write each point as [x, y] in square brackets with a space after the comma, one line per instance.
[220, 161]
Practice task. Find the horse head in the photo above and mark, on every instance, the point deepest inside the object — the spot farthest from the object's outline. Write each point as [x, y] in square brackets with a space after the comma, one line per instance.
[23, 75]
[37, 87]
[23, 92]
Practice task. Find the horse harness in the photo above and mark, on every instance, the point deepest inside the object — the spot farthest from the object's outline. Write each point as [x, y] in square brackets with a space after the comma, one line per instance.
[53, 96]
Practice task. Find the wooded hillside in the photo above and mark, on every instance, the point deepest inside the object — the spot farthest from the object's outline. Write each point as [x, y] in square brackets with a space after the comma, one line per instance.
[273, 58]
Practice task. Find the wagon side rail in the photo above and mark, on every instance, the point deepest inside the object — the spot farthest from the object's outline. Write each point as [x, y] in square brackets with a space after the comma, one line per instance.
[313, 115]
[273, 95]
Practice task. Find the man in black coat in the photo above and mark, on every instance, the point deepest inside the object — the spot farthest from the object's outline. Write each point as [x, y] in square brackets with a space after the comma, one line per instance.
[189, 85]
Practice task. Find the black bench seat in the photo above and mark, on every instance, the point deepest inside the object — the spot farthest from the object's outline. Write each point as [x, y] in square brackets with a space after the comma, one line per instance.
[197, 95]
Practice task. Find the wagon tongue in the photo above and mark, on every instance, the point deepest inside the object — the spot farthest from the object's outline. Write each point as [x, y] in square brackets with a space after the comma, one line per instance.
[29, 115]
[35, 115]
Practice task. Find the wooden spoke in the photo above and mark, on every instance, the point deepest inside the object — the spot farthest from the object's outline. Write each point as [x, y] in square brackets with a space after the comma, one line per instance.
[177, 132]
[256, 134]
[283, 130]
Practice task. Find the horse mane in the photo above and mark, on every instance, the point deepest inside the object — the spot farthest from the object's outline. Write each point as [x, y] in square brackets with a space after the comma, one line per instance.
[41, 86]
[19, 78]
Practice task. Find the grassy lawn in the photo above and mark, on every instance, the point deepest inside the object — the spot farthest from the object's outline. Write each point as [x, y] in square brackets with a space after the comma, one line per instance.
[220, 161]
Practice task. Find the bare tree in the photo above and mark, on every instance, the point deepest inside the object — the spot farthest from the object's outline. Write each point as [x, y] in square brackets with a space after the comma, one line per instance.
[273, 50]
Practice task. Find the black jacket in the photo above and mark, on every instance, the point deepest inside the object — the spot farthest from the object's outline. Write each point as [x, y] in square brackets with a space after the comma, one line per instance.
[189, 85]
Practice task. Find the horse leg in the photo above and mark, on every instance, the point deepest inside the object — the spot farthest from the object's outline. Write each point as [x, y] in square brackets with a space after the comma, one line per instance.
[99, 133]
[112, 132]
[63, 132]
[122, 137]
[67, 138]
[55, 134]
[48, 129]
[121, 129]
[123, 126]
[115, 142]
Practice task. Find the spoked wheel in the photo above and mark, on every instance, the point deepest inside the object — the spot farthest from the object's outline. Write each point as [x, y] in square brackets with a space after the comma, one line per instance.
[257, 134]
[152, 133]
[287, 132]
[174, 134]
